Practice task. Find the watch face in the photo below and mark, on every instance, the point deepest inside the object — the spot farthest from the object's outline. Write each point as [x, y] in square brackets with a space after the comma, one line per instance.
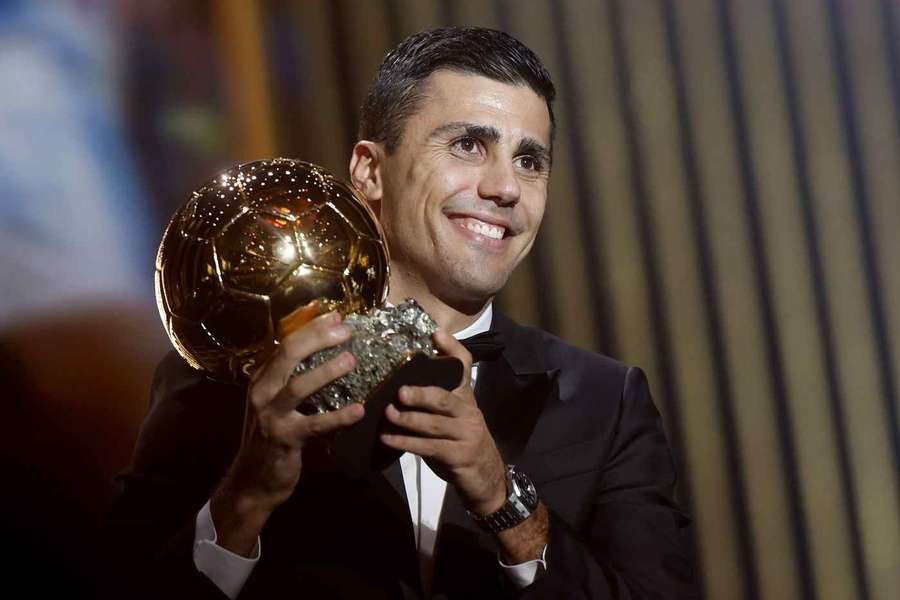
[524, 488]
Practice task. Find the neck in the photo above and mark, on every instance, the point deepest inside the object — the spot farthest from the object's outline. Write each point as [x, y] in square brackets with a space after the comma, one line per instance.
[450, 316]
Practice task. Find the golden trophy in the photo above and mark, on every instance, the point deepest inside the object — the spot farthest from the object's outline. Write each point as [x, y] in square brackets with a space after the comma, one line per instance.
[262, 247]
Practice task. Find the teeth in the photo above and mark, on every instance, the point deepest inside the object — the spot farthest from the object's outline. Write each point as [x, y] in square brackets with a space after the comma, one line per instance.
[485, 229]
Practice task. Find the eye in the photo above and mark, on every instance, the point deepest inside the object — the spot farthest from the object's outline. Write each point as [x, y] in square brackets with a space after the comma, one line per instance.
[468, 145]
[530, 163]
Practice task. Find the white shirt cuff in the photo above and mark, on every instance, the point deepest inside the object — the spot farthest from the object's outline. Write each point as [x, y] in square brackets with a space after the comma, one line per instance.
[229, 571]
[523, 574]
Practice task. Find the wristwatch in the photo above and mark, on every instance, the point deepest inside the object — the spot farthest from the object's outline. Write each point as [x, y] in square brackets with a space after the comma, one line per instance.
[522, 501]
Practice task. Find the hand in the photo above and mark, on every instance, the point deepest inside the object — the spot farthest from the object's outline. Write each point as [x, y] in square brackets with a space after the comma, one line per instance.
[267, 467]
[448, 430]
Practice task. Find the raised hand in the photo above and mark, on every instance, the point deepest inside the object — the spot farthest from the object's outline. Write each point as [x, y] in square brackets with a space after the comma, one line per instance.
[268, 465]
[448, 430]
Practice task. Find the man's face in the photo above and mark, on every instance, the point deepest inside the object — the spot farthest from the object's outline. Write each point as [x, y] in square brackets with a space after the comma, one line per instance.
[464, 192]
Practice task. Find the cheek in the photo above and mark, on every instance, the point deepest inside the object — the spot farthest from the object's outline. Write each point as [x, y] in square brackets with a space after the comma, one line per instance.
[456, 177]
[535, 208]
[450, 177]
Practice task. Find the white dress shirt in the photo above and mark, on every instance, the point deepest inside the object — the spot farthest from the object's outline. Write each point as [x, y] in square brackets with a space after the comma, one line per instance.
[424, 493]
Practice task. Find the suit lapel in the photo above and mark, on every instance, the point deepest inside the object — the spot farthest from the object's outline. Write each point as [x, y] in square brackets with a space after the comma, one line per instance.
[511, 403]
[393, 475]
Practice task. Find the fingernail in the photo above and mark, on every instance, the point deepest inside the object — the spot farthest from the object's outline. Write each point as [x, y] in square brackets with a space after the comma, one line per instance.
[347, 360]
[341, 331]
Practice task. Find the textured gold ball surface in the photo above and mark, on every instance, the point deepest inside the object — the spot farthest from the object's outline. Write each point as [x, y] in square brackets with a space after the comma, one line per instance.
[253, 244]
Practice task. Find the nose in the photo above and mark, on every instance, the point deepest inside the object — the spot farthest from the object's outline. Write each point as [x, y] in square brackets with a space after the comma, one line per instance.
[499, 183]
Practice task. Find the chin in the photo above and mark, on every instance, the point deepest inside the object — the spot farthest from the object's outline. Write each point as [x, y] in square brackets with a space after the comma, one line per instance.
[473, 289]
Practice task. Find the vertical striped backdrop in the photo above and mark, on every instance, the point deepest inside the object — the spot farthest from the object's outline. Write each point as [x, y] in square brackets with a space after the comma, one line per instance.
[724, 212]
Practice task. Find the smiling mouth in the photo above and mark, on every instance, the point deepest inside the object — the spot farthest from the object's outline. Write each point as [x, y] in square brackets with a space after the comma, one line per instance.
[488, 230]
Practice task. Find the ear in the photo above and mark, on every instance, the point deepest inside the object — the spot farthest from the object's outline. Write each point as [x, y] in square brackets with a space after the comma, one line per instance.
[365, 171]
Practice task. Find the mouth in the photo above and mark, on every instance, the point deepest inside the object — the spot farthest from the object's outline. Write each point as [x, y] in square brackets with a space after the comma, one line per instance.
[480, 228]
[488, 230]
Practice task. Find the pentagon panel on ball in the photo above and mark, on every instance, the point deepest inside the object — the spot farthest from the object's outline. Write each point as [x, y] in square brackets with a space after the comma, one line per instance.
[252, 245]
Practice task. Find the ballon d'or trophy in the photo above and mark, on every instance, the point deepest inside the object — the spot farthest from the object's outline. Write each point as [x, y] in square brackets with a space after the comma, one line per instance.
[262, 248]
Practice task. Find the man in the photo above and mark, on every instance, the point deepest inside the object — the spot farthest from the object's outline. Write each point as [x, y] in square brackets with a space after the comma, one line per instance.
[455, 159]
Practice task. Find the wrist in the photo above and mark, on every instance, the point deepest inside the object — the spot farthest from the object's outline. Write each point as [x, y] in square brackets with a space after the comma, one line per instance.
[238, 519]
[495, 497]
[245, 492]
[240, 505]
[527, 540]
[521, 501]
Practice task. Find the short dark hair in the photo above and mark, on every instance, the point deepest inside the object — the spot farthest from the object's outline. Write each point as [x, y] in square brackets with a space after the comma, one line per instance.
[396, 92]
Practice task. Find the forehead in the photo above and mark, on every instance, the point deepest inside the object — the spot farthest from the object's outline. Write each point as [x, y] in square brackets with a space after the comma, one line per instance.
[449, 96]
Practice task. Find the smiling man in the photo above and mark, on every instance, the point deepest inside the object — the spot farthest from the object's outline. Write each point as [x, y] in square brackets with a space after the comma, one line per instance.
[545, 474]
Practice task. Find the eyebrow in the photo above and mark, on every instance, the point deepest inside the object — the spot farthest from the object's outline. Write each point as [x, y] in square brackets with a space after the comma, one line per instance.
[532, 147]
[482, 132]
[488, 133]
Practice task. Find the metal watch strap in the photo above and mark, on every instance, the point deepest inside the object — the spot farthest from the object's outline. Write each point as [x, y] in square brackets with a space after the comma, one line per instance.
[505, 517]
[513, 511]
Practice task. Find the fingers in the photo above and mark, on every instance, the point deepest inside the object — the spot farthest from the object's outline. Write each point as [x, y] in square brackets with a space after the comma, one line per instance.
[424, 424]
[319, 425]
[298, 318]
[424, 447]
[301, 386]
[450, 346]
[430, 399]
[322, 332]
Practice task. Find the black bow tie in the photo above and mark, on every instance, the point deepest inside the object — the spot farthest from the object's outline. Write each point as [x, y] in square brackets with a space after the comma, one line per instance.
[484, 346]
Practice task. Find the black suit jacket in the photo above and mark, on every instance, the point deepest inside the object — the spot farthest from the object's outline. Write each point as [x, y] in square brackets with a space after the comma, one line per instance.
[581, 425]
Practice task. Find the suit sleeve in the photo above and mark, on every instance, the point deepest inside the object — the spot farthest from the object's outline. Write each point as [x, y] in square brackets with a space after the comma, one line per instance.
[185, 445]
[634, 544]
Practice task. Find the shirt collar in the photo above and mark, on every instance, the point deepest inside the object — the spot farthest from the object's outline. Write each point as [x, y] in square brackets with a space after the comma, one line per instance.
[481, 324]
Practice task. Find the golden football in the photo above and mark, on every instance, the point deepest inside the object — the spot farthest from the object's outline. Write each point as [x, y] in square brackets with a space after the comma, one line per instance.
[252, 245]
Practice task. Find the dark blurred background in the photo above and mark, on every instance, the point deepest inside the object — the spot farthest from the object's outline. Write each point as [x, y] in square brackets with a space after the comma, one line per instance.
[724, 212]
